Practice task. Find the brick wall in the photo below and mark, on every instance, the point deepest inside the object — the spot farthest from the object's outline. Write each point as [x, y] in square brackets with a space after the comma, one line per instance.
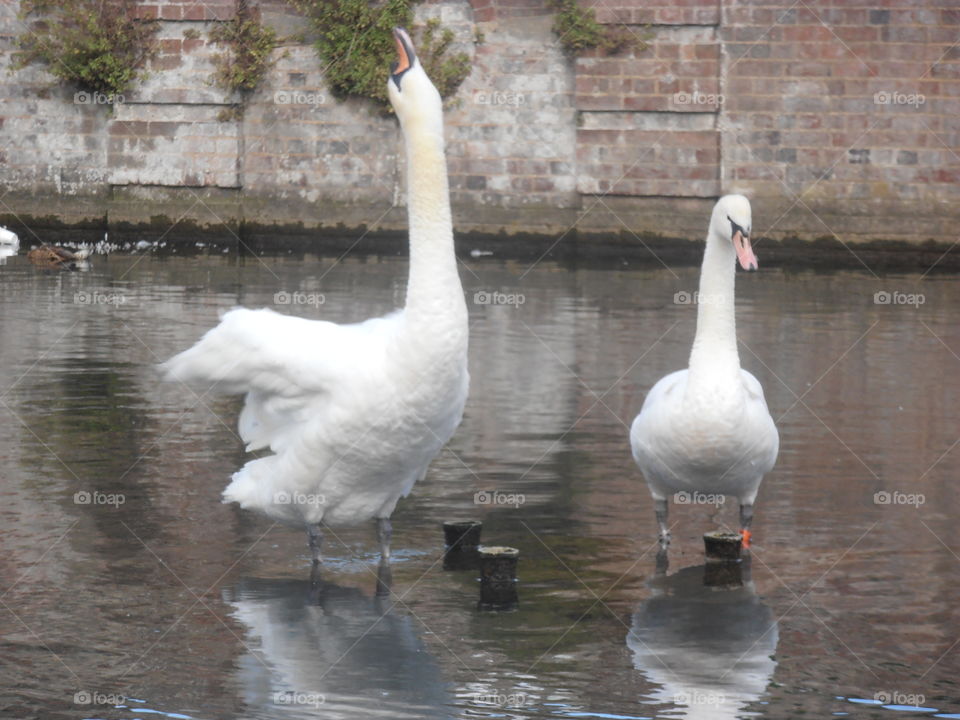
[842, 115]
[837, 119]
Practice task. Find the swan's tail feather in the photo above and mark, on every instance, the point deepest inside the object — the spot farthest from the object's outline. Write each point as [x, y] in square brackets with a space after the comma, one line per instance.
[253, 487]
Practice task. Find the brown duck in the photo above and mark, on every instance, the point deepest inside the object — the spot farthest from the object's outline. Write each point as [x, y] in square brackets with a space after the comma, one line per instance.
[54, 256]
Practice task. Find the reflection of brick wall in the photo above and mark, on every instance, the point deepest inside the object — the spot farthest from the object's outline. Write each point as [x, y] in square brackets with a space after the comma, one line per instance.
[836, 120]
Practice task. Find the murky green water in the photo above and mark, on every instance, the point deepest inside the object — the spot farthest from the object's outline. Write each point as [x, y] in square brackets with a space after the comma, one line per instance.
[126, 581]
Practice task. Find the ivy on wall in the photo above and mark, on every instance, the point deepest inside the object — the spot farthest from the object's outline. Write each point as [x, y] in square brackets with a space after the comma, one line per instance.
[355, 36]
[248, 45]
[102, 46]
[578, 30]
[97, 45]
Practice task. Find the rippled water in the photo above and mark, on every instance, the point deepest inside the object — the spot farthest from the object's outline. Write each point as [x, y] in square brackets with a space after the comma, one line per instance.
[130, 591]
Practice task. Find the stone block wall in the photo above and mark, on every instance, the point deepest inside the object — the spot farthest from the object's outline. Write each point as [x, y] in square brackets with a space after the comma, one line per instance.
[838, 119]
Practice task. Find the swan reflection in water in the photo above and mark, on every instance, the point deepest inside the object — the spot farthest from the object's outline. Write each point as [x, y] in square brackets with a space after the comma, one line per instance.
[706, 639]
[317, 649]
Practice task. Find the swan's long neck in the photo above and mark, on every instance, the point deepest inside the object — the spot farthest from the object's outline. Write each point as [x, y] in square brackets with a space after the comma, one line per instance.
[433, 290]
[714, 358]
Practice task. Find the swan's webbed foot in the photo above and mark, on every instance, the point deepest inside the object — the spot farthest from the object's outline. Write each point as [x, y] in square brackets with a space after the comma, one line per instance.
[661, 508]
[746, 517]
[315, 537]
[384, 534]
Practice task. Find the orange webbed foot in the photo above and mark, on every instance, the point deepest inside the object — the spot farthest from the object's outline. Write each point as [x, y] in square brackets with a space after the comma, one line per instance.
[745, 536]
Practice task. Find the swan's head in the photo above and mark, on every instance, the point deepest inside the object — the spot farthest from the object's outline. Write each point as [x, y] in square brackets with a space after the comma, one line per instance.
[732, 222]
[414, 98]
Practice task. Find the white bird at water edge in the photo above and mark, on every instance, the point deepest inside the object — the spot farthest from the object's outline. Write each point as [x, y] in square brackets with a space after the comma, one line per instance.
[707, 429]
[8, 237]
[353, 414]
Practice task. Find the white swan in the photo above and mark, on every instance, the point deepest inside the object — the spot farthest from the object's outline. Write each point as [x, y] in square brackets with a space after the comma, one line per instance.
[8, 237]
[354, 414]
[707, 429]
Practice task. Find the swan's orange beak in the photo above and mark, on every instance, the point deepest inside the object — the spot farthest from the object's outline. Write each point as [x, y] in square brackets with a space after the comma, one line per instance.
[405, 55]
[741, 243]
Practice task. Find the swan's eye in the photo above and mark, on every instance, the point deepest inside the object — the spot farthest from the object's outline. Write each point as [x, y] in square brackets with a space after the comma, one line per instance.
[734, 228]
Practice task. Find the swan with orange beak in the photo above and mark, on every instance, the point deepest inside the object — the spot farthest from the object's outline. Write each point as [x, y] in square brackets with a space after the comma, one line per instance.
[705, 433]
[352, 414]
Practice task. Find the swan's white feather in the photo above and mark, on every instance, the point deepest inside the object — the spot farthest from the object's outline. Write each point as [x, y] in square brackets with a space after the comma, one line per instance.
[352, 413]
[707, 444]
[707, 428]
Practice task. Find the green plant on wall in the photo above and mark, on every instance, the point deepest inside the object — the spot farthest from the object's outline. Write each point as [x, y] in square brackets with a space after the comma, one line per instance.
[98, 45]
[446, 71]
[355, 42]
[578, 30]
[248, 56]
[249, 44]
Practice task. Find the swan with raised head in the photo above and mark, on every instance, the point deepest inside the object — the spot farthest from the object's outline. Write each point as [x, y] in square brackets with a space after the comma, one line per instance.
[707, 429]
[353, 414]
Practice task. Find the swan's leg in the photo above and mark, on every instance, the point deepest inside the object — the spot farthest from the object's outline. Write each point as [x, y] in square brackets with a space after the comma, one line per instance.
[384, 533]
[384, 578]
[662, 563]
[746, 517]
[316, 540]
[316, 584]
[661, 508]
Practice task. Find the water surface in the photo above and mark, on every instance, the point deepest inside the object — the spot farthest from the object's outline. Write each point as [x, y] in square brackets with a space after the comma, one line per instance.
[130, 591]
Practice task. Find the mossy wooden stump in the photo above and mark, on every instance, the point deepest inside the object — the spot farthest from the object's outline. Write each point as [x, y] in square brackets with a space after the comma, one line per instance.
[722, 546]
[498, 578]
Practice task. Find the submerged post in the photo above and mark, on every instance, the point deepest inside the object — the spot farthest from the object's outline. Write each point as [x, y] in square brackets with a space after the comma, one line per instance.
[461, 538]
[498, 578]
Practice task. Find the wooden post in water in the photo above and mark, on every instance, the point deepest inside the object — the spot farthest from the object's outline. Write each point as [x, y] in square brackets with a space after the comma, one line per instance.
[722, 546]
[461, 538]
[723, 568]
[498, 578]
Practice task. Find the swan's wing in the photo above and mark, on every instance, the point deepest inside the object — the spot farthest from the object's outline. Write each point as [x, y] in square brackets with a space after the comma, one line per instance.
[667, 392]
[764, 430]
[753, 387]
[668, 389]
[266, 353]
